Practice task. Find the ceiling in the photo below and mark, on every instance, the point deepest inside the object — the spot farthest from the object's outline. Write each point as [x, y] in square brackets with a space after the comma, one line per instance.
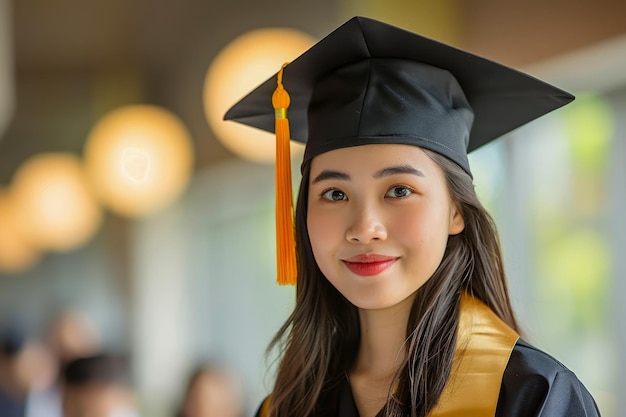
[77, 59]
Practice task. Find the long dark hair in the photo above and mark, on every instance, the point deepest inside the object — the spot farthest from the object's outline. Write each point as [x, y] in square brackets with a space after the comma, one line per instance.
[319, 341]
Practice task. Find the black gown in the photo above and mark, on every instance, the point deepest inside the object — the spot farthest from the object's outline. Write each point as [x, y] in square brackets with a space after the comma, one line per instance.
[530, 382]
[534, 384]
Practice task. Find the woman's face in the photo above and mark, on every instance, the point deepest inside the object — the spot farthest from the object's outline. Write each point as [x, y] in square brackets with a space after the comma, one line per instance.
[379, 217]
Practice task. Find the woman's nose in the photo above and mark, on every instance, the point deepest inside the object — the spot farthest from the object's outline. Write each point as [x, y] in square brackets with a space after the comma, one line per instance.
[366, 226]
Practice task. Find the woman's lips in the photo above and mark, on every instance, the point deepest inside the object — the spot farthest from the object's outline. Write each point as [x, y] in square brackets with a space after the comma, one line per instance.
[369, 265]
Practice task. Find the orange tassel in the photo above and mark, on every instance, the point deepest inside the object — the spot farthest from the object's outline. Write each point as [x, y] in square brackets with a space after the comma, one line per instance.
[285, 239]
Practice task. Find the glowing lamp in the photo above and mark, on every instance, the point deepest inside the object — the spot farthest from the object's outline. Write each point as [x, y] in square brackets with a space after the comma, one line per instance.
[53, 203]
[236, 70]
[16, 254]
[139, 159]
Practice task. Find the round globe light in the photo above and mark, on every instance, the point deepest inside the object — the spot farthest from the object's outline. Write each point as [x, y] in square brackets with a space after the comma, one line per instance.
[139, 159]
[16, 253]
[54, 205]
[240, 66]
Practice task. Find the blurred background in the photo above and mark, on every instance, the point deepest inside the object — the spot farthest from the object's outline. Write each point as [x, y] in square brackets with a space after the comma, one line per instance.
[134, 221]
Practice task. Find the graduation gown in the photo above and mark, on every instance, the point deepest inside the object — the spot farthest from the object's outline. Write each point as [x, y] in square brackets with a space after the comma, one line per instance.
[494, 373]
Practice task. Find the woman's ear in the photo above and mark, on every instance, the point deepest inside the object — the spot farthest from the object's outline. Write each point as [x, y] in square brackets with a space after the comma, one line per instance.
[457, 223]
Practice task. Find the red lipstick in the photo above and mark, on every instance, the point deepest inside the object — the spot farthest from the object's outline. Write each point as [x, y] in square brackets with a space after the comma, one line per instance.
[369, 264]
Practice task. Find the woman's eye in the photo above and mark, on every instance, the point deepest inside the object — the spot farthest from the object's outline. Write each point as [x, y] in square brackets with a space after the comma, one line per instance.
[334, 195]
[399, 191]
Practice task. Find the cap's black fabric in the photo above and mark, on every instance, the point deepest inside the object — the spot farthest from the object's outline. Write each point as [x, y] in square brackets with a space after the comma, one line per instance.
[371, 82]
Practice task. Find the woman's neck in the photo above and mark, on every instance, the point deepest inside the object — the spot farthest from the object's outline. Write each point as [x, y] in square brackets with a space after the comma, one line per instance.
[383, 334]
[381, 352]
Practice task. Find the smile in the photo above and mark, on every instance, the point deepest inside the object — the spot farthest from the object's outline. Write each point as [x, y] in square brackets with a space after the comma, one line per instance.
[369, 265]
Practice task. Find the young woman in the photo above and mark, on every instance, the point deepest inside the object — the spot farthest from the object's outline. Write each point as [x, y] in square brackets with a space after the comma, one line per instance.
[402, 305]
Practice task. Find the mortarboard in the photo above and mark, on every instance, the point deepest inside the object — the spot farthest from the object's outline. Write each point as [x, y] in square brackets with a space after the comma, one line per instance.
[371, 82]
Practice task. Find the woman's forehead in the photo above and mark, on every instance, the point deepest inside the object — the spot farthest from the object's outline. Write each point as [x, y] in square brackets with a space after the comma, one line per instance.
[372, 158]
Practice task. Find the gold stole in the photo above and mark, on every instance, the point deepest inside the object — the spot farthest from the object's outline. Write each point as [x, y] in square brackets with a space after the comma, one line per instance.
[484, 346]
[265, 407]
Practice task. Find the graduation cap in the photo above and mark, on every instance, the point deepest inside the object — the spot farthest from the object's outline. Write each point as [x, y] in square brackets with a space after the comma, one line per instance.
[370, 82]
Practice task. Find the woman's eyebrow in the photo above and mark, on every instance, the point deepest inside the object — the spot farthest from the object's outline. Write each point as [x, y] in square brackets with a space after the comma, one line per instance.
[398, 169]
[328, 174]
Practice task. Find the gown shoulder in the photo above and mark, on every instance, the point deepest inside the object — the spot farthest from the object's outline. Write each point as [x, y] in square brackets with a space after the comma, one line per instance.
[536, 384]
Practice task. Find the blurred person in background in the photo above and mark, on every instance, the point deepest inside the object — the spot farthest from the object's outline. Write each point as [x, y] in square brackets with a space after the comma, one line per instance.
[37, 370]
[27, 371]
[212, 391]
[12, 394]
[98, 386]
[68, 335]
[72, 334]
